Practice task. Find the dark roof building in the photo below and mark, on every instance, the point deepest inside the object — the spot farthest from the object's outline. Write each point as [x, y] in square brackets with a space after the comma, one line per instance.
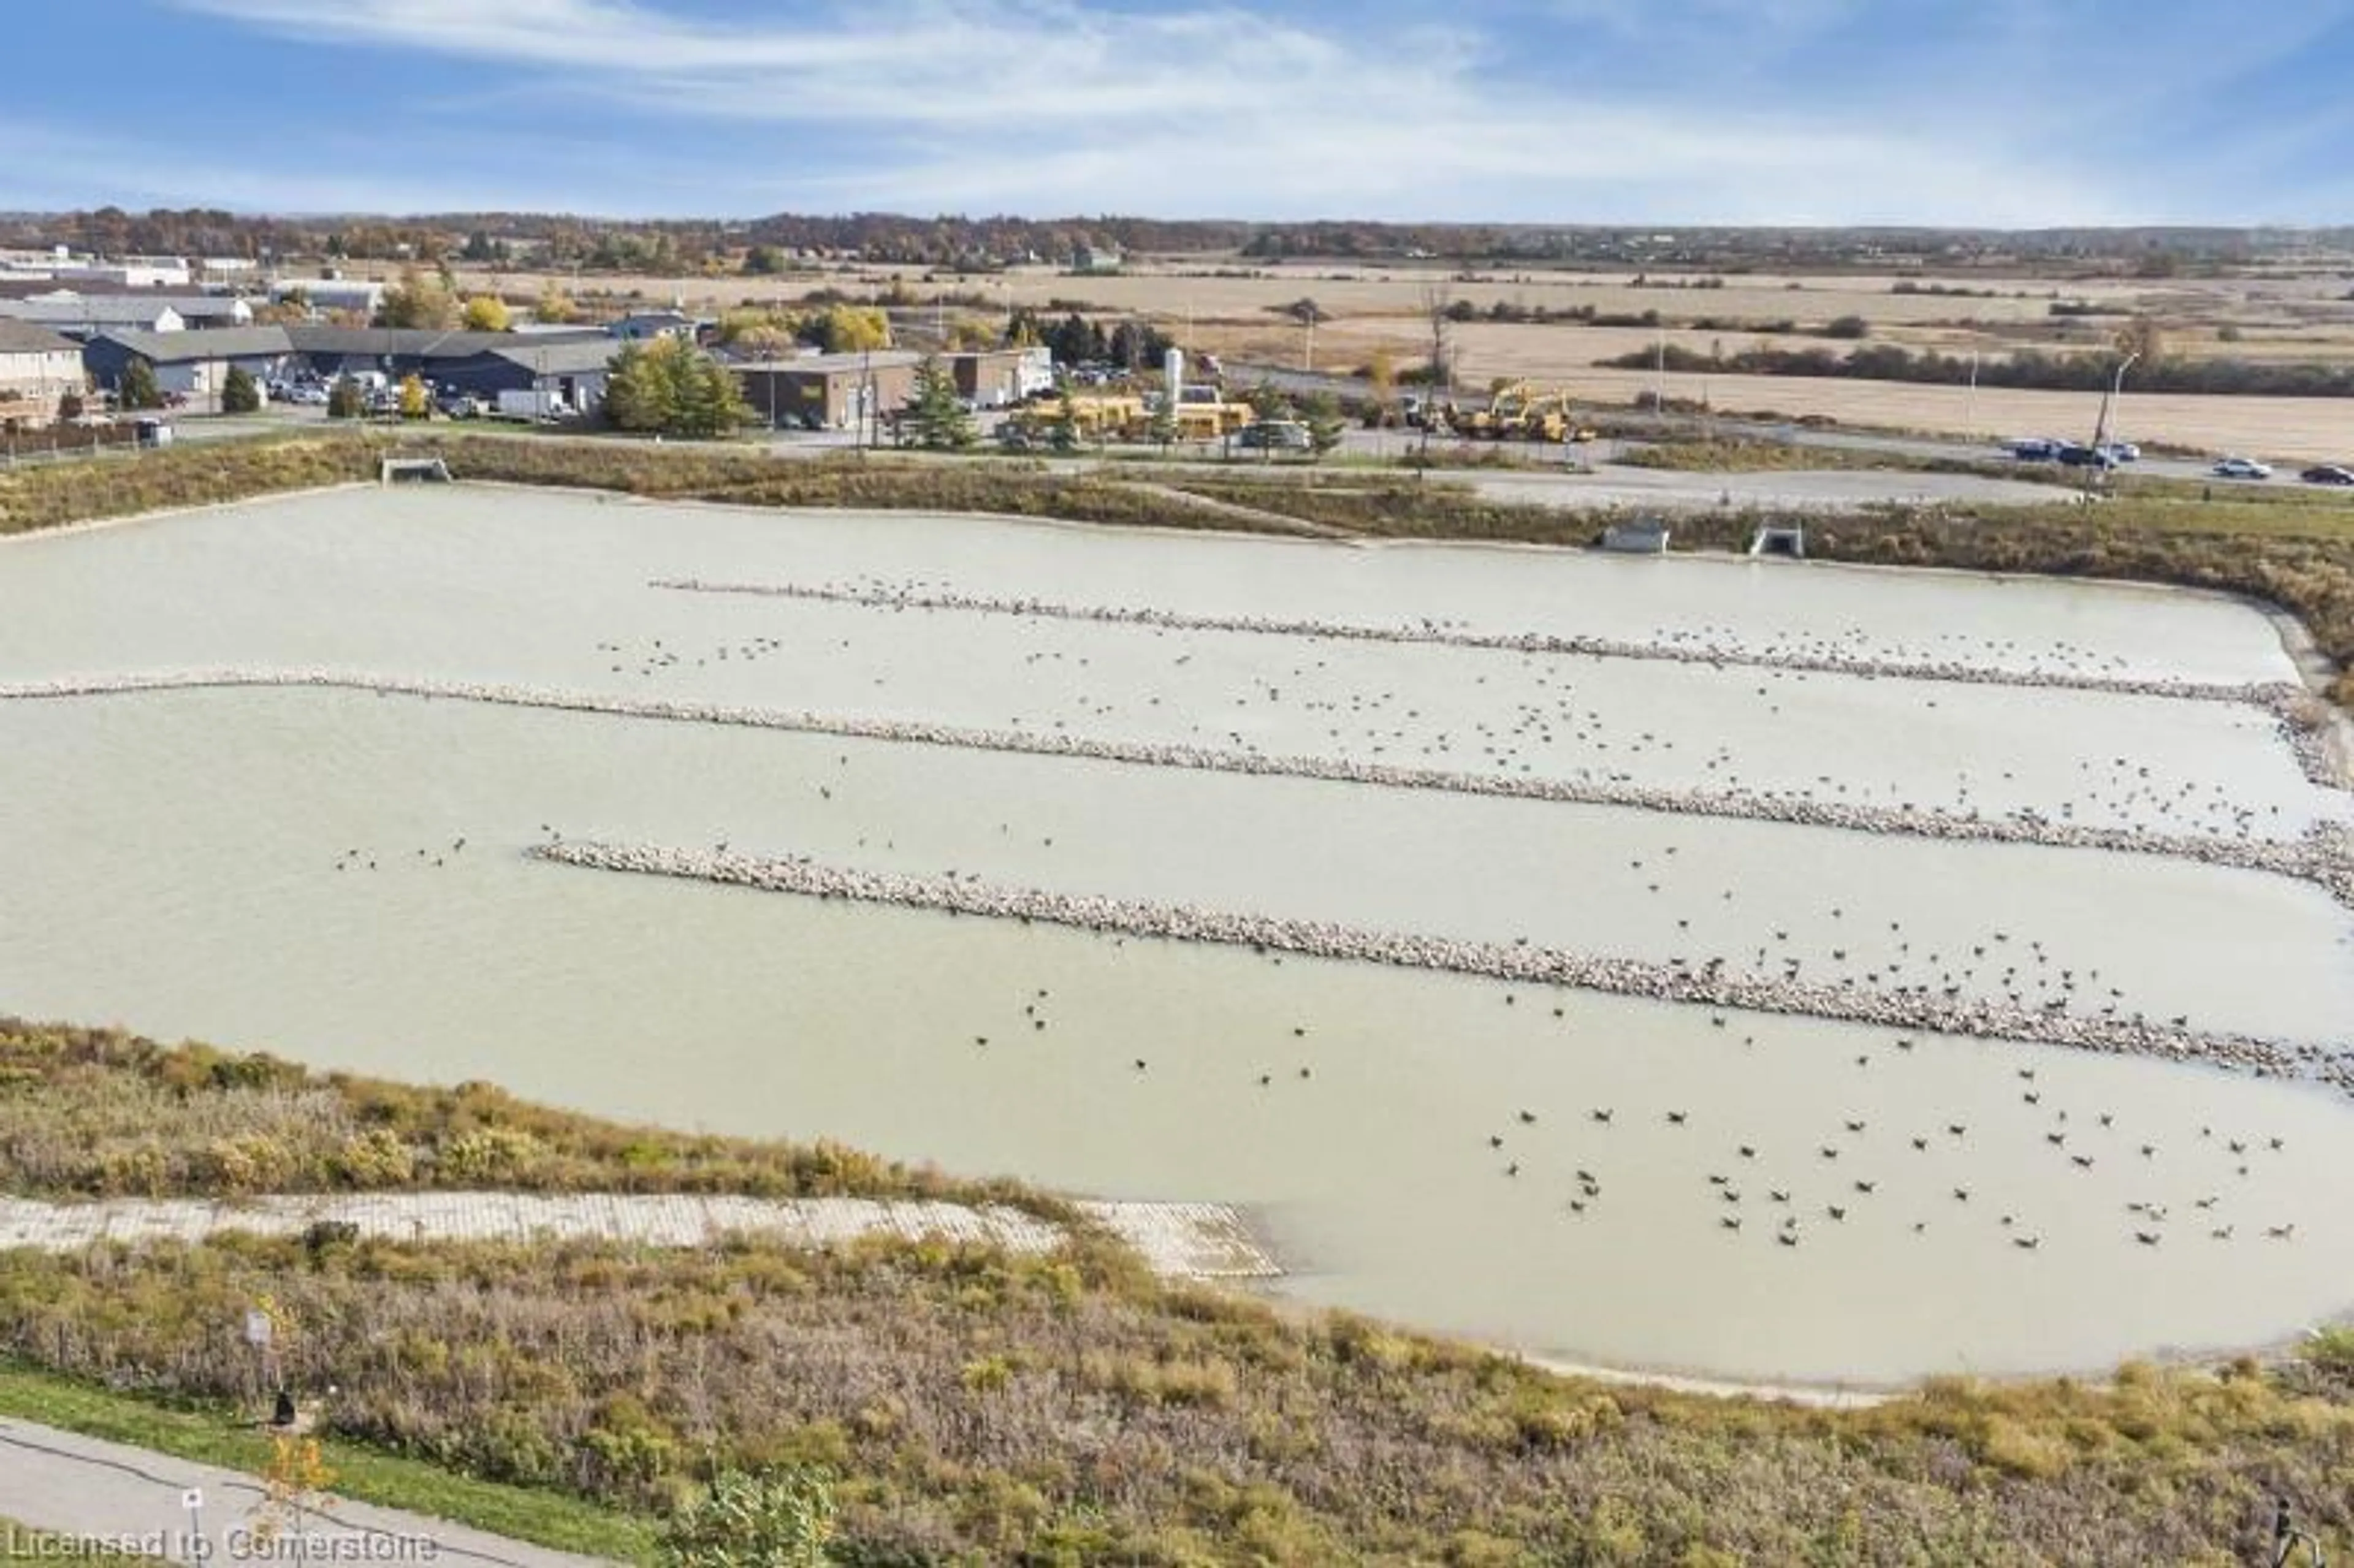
[398, 351]
[573, 369]
[192, 366]
[188, 347]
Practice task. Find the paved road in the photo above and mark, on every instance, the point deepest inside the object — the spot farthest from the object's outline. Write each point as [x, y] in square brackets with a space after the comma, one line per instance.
[135, 1501]
[1920, 447]
[1830, 490]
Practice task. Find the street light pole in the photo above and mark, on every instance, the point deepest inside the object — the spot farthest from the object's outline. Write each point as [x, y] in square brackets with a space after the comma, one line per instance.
[2099, 468]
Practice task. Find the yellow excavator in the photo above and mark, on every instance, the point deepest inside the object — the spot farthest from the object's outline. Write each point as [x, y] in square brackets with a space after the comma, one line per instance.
[1520, 410]
[1549, 418]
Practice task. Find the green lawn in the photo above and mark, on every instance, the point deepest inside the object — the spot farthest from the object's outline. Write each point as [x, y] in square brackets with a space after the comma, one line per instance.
[215, 1437]
[24, 1543]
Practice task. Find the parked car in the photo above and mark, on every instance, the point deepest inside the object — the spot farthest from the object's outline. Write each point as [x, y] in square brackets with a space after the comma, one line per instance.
[1274, 435]
[2328, 473]
[2240, 467]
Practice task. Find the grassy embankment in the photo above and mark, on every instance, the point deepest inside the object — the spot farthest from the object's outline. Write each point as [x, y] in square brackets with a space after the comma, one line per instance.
[981, 1407]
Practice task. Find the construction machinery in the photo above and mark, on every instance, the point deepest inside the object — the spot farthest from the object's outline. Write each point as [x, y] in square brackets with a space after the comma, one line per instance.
[1520, 410]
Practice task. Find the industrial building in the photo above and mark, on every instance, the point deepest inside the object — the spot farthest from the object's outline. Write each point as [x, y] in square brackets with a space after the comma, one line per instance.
[83, 317]
[1001, 377]
[574, 368]
[193, 365]
[828, 391]
[429, 352]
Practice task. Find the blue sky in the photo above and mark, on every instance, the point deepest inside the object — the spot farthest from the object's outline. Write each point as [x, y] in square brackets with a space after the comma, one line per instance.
[1939, 111]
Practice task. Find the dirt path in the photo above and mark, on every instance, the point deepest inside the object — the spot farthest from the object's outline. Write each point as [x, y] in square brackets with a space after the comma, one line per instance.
[1249, 516]
[1188, 1241]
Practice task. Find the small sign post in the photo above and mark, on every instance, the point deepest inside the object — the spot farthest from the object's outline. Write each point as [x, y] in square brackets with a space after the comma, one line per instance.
[193, 1500]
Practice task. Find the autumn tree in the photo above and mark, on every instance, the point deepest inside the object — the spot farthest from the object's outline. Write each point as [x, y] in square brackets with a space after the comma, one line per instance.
[294, 1481]
[1438, 305]
[1380, 381]
[414, 403]
[847, 328]
[2144, 337]
[554, 306]
[416, 299]
[487, 313]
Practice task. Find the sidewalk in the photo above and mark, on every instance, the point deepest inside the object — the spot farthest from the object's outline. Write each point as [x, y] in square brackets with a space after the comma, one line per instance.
[134, 1501]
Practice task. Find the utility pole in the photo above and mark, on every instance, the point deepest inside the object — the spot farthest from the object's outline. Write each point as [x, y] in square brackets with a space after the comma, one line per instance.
[1970, 400]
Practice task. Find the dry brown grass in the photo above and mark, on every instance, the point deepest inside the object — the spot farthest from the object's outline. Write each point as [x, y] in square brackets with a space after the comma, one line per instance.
[100, 1113]
[2292, 428]
[979, 1407]
[55, 493]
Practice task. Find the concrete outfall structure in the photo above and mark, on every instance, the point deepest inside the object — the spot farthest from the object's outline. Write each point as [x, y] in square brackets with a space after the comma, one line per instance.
[1708, 985]
[2323, 855]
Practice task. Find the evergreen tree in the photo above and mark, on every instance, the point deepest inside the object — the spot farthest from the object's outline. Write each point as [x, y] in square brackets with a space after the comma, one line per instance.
[937, 416]
[1324, 422]
[671, 388]
[239, 395]
[1268, 402]
[1063, 435]
[344, 399]
[139, 389]
[710, 402]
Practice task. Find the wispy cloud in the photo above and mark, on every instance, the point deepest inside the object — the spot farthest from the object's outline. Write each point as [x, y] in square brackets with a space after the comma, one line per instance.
[1738, 111]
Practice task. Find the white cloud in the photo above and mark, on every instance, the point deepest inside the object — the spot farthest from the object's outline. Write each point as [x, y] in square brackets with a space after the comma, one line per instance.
[1198, 107]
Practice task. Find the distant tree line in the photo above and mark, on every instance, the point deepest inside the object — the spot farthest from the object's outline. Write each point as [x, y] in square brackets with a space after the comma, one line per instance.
[2028, 368]
[1077, 339]
[962, 242]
